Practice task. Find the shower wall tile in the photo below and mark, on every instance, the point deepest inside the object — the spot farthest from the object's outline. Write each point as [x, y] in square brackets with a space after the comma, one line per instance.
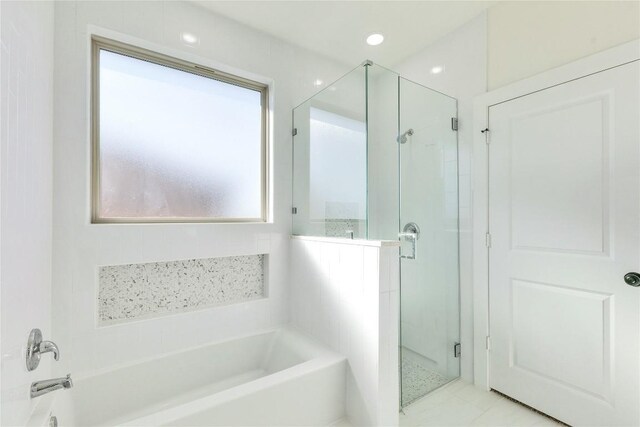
[26, 113]
[344, 293]
[136, 291]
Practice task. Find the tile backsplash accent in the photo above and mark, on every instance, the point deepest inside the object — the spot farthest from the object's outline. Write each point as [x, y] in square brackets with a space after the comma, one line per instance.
[137, 291]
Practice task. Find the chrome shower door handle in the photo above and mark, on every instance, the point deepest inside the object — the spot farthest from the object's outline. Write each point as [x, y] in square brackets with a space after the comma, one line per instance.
[411, 232]
[413, 238]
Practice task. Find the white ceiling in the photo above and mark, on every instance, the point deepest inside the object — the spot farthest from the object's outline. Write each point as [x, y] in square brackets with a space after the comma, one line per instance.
[338, 29]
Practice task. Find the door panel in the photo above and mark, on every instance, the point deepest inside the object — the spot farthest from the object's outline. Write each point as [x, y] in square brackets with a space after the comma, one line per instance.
[565, 228]
[566, 210]
[539, 316]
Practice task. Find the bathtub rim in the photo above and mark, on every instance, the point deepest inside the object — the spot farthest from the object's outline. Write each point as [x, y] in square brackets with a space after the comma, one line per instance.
[171, 415]
[321, 357]
[287, 329]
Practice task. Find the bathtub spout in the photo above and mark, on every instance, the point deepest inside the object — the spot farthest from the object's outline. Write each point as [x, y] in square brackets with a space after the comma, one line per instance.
[39, 388]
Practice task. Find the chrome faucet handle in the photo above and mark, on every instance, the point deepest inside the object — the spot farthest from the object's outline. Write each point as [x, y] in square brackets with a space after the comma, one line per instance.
[36, 346]
[50, 347]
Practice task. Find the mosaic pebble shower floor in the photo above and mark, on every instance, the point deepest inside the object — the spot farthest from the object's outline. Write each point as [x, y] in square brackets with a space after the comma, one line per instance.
[418, 379]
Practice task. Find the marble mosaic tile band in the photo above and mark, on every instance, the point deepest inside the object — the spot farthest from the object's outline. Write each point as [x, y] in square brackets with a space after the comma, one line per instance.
[135, 291]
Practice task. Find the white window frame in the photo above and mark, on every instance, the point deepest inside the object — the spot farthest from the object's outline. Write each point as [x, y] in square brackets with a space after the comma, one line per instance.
[100, 43]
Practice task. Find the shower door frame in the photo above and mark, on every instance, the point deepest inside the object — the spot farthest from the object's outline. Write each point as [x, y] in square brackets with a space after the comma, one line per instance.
[400, 227]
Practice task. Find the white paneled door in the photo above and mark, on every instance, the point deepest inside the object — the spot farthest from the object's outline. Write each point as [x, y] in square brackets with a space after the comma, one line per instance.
[564, 209]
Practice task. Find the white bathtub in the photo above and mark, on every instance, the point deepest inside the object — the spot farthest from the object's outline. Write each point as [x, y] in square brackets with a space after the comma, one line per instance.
[276, 378]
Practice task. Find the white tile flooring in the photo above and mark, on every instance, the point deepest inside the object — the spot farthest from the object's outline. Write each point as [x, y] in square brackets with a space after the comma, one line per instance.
[462, 404]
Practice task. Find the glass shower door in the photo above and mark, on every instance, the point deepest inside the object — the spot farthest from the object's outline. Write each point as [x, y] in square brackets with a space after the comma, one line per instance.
[428, 158]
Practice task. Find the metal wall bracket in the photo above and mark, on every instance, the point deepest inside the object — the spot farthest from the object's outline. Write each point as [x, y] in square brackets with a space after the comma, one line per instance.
[457, 349]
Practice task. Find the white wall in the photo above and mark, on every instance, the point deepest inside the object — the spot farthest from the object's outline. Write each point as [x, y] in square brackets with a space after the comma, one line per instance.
[528, 37]
[344, 293]
[26, 76]
[463, 56]
[79, 247]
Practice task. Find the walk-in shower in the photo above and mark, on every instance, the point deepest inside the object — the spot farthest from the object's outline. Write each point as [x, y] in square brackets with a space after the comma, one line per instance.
[375, 157]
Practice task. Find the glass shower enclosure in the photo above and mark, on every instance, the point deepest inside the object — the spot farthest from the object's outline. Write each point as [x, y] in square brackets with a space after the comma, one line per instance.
[375, 157]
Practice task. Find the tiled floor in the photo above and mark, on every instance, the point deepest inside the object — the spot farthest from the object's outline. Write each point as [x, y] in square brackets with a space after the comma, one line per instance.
[462, 404]
[417, 378]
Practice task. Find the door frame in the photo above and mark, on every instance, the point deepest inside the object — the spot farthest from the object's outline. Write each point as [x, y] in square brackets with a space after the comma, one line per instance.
[610, 58]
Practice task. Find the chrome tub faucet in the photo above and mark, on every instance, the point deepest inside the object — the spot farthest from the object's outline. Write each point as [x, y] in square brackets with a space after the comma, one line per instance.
[39, 388]
[36, 346]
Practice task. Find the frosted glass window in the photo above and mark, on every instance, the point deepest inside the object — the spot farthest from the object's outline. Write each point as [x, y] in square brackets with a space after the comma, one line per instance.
[337, 166]
[176, 144]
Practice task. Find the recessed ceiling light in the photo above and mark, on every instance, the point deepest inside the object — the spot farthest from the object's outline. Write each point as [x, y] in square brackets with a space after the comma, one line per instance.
[375, 39]
[317, 82]
[437, 69]
[189, 38]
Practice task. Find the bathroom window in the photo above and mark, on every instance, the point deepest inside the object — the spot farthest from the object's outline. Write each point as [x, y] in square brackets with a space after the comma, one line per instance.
[174, 141]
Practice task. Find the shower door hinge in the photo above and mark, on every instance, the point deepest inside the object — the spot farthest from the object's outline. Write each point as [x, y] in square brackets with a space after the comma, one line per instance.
[457, 349]
[485, 131]
[294, 132]
[454, 123]
[488, 239]
[488, 343]
[294, 211]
